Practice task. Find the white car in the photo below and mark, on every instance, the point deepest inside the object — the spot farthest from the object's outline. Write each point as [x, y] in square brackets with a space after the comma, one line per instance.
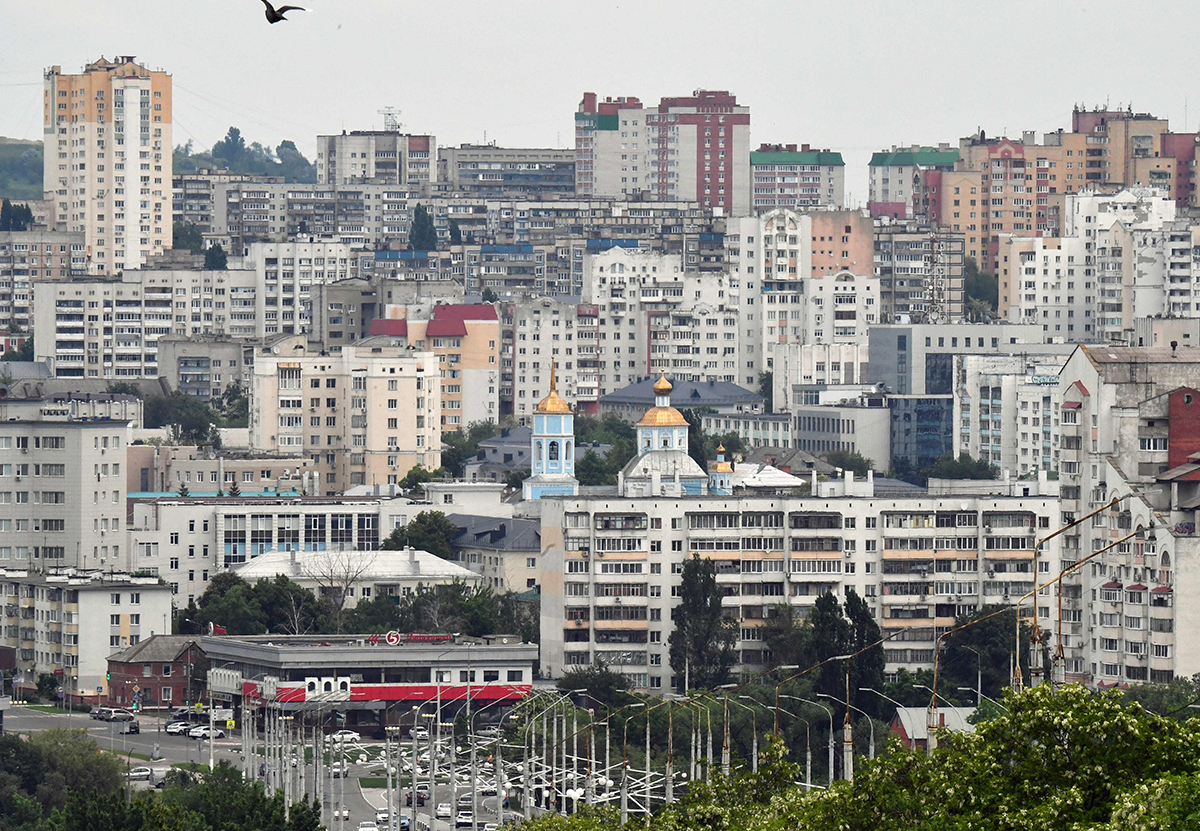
[444, 811]
[419, 733]
[367, 825]
[345, 736]
[337, 770]
[464, 818]
[464, 801]
[206, 732]
[175, 728]
[141, 773]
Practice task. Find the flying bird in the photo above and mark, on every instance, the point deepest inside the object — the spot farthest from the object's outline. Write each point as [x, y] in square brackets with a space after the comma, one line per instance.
[275, 15]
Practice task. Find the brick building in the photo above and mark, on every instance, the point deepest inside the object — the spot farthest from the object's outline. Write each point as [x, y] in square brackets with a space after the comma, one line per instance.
[159, 673]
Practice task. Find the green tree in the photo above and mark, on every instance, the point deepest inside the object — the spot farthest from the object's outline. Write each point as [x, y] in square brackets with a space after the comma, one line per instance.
[193, 417]
[604, 686]
[215, 259]
[231, 149]
[701, 646]
[124, 388]
[985, 649]
[732, 443]
[456, 237]
[766, 388]
[461, 446]
[431, 531]
[979, 285]
[593, 470]
[490, 296]
[850, 460]
[964, 467]
[516, 478]
[15, 217]
[422, 236]
[696, 435]
[187, 235]
[24, 353]
[418, 476]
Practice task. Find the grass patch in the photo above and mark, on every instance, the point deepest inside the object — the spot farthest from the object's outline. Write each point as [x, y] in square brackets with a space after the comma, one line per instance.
[372, 782]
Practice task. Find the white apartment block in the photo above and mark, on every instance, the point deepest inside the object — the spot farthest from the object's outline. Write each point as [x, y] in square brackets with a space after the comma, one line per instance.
[378, 157]
[107, 159]
[1127, 426]
[1050, 282]
[110, 329]
[365, 415]
[783, 176]
[286, 273]
[1006, 410]
[823, 364]
[28, 257]
[768, 258]
[70, 621]
[657, 318]
[612, 565]
[62, 492]
[185, 541]
[537, 331]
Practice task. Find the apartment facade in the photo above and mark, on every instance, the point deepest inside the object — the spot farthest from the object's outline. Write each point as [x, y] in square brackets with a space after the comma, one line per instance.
[28, 257]
[688, 148]
[382, 157]
[784, 176]
[107, 159]
[488, 170]
[67, 623]
[920, 271]
[895, 175]
[365, 416]
[612, 565]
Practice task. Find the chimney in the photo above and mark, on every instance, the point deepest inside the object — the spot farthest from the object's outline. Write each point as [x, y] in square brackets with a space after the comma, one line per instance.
[804, 148]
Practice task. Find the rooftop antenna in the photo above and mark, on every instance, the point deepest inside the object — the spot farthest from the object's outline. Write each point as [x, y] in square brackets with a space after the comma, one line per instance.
[391, 119]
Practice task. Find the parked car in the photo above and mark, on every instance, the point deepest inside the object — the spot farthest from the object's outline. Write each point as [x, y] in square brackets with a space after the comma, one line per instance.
[140, 773]
[464, 818]
[345, 736]
[177, 727]
[419, 733]
[206, 732]
[444, 811]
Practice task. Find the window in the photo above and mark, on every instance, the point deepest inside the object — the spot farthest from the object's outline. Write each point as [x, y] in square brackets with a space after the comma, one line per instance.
[516, 675]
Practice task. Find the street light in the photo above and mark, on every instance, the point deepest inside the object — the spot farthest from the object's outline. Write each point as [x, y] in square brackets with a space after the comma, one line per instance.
[805, 672]
[944, 700]
[871, 751]
[807, 743]
[754, 738]
[978, 693]
[829, 712]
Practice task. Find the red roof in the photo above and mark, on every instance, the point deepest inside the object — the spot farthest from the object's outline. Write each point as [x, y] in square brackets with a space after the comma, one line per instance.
[1112, 584]
[1161, 589]
[1081, 387]
[450, 320]
[1072, 405]
[1137, 587]
[389, 327]
[465, 311]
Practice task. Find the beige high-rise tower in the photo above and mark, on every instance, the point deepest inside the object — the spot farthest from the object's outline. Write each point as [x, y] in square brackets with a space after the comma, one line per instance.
[107, 165]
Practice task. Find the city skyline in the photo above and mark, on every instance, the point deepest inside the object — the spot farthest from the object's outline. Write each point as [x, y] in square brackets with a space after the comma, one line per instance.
[850, 107]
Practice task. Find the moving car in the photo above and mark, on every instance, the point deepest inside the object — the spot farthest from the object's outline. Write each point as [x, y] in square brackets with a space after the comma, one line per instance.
[119, 715]
[367, 825]
[464, 818]
[345, 736]
[177, 727]
[420, 799]
[140, 773]
[419, 733]
[444, 811]
[464, 801]
[134, 726]
[336, 770]
[206, 732]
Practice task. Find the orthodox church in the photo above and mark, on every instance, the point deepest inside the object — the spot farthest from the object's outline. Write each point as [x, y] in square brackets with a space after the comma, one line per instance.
[662, 466]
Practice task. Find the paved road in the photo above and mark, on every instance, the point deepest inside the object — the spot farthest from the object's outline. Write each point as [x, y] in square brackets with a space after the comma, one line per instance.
[171, 749]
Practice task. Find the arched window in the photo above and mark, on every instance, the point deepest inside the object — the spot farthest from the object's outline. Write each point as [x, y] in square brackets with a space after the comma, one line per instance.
[569, 452]
[1165, 560]
[554, 451]
[667, 441]
[537, 452]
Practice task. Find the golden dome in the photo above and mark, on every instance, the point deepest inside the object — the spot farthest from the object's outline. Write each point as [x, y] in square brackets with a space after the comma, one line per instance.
[662, 386]
[721, 448]
[553, 404]
[663, 417]
[720, 467]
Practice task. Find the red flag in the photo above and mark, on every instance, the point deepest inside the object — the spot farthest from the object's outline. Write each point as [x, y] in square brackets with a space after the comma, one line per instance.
[213, 629]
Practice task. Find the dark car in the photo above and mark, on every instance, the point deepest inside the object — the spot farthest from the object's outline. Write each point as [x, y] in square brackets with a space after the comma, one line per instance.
[134, 726]
[420, 800]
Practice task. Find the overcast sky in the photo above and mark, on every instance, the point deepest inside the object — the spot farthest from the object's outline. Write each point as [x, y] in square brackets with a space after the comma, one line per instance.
[851, 76]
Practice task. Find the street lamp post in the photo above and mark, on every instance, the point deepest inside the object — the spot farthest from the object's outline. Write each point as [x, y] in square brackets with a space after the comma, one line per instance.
[754, 724]
[987, 698]
[829, 712]
[871, 743]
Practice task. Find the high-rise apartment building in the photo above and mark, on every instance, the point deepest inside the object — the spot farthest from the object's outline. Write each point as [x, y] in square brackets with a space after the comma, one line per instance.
[107, 159]
[382, 157]
[895, 177]
[28, 257]
[783, 176]
[365, 415]
[920, 270]
[688, 148]
[486, 169]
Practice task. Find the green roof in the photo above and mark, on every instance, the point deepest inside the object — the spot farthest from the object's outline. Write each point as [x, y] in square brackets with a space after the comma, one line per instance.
[811, 157]
[598, 122]
[925, 157]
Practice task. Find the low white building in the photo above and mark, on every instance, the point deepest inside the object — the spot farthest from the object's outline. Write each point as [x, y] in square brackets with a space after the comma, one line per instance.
[354, 575]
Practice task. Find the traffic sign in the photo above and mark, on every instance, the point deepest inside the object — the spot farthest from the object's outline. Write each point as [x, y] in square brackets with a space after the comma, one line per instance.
[99, 690]
[230, 724]
[136, 688]
[373, 639]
